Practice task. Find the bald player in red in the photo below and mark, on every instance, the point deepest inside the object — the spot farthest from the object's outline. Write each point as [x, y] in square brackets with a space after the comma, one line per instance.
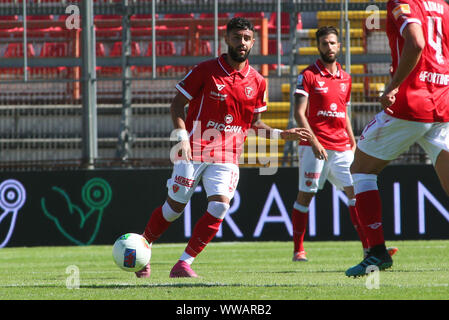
[416, 110]
[226, 97]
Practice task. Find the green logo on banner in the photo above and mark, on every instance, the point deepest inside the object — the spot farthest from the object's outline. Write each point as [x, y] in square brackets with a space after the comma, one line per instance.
[96, 194]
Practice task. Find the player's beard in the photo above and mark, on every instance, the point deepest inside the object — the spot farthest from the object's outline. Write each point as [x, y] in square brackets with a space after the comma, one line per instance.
[233, 53]
[326, 58]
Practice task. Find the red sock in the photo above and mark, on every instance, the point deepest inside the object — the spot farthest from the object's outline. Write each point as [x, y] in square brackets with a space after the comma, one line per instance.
[156, 225]
[369, 211]
[299, 221]
[355, 221]
[204, 231]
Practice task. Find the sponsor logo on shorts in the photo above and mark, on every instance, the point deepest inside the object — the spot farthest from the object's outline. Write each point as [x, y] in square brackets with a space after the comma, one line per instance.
[186, 182]
[312, 175]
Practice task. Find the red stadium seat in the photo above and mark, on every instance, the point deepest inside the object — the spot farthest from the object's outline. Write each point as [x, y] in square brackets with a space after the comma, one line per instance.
[251, 15]
[108, 32]
[52, 50]
[8, 18]
[204, 49]
[211, 16]
[273, 50]
[116, 51]
[285, 22]
[179, 16]
[163, 48]
[15, 50]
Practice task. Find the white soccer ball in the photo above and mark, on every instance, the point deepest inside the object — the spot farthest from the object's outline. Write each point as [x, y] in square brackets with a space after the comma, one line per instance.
[131, 252]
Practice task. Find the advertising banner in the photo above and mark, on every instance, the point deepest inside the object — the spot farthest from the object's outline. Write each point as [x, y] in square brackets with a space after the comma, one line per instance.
[96, 207]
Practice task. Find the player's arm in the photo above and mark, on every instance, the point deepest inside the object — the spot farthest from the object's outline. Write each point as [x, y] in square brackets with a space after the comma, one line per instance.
[290, 134]
[178, 117]
[301, 102]
[350, 133]
[414, 43]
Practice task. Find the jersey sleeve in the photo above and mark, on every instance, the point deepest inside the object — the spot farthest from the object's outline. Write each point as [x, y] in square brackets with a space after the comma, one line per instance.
[348, 95]
[403, 12]
[192, 83]
[303, 84]
[261, 104]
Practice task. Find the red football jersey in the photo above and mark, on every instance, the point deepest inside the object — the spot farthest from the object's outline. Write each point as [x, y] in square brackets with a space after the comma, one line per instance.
[328, 96]
[222, 104]
[424, 95]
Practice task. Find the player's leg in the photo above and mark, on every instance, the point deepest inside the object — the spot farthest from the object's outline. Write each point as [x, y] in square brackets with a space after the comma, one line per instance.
[312, 172]
[436, 145]
[365, 170]
[300, 217]
[219, 181]
[181, 186]
[349, 191]
[442, 169]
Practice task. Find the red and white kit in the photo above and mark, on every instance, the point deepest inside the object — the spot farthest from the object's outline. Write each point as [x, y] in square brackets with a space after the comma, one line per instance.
[222, 104]
[329, 96]
[421, 111]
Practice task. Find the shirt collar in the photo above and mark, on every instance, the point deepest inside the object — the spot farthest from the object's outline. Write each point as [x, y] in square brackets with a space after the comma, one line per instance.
[230, 70]
[324, 72]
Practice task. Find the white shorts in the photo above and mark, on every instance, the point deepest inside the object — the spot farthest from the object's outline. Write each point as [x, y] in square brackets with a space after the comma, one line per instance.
[314, 172]
[386, 137]
[217, 179]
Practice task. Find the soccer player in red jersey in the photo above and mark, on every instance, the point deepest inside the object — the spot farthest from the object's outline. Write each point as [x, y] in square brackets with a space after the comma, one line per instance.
[226, 97]
[416, 109]
[322, 94]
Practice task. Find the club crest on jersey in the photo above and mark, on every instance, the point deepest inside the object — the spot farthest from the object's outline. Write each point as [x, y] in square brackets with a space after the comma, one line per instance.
[343, 87]
[228, 119]
[249, 91]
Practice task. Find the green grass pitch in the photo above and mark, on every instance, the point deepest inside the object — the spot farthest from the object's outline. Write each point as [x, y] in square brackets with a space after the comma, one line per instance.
[228, 271]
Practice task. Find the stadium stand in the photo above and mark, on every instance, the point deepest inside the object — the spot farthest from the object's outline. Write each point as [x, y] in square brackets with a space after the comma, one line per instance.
[177, 35]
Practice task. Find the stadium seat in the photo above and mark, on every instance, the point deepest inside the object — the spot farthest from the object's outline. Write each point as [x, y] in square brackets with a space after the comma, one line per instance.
[8, 18]
[15, 50]
[52, 50]
[210, 27]
[103, 32]
[251, 15]
[144, 30]
[116, 51]
[285, 22]
[273, 50]
[163, 48]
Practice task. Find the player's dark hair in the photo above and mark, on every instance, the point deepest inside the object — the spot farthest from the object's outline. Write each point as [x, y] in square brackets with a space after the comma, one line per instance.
[324, 31]
[239, 23]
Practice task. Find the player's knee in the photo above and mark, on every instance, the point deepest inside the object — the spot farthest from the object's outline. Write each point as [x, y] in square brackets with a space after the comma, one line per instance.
[304, 198]
[218, 209]
[171, 214]
[364, 182]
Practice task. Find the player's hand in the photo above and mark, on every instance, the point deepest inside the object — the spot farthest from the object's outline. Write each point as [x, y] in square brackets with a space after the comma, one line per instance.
[388, 98]
[319, 151]
[185, 152]
[296, 134]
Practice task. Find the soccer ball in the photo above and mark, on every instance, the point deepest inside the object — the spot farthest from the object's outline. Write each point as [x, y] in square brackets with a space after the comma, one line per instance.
[131, 252]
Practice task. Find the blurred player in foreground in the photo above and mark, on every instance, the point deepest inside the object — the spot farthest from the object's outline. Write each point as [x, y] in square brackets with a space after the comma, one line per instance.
[225, 96]
[416, 109]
